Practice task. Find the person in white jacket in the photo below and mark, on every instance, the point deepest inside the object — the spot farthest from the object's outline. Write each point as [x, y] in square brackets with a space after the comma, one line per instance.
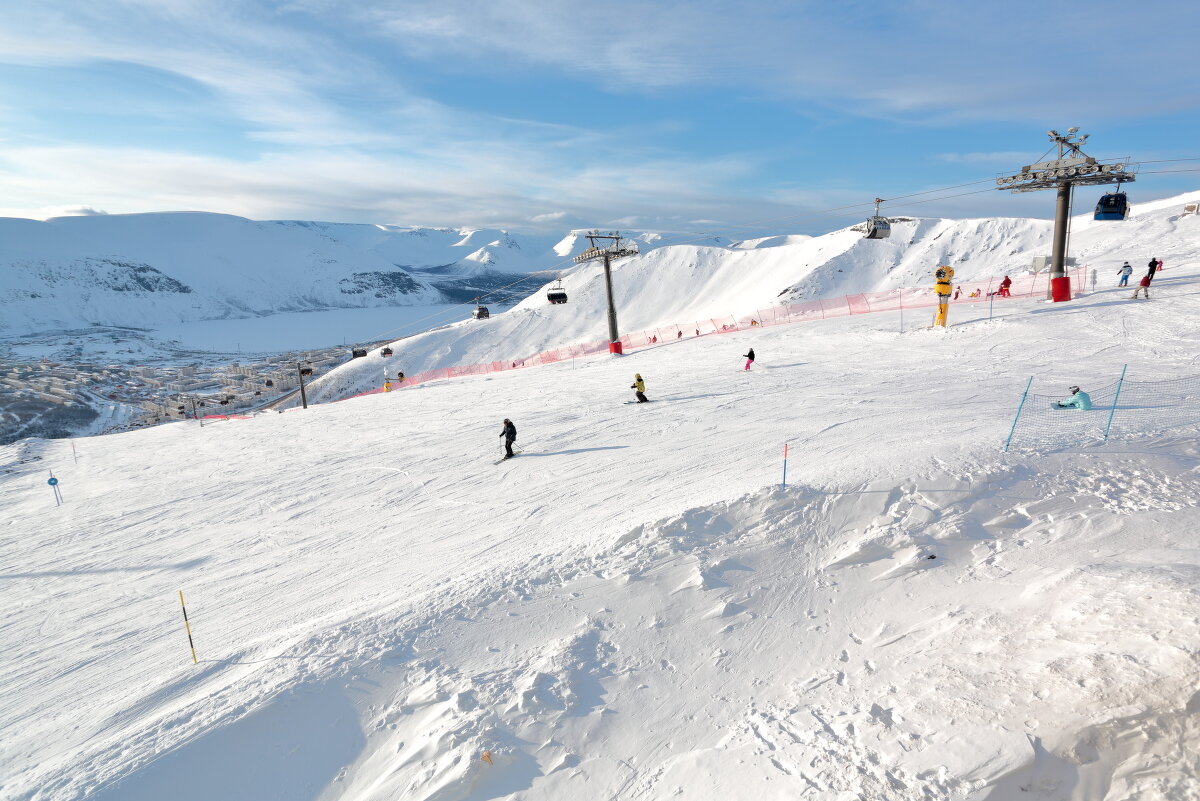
[1125, 272]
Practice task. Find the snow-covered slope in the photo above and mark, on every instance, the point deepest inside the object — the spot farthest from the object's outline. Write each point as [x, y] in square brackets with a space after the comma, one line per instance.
[683, 283]
[633, 607]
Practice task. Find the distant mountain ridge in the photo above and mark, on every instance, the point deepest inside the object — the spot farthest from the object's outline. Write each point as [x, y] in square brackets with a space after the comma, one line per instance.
[147, 270]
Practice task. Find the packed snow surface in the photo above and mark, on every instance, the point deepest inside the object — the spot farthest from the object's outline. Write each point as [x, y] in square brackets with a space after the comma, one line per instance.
[633, 607]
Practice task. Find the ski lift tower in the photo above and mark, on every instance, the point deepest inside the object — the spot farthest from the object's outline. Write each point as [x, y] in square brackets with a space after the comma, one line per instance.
[1072, 167]
[612, 250]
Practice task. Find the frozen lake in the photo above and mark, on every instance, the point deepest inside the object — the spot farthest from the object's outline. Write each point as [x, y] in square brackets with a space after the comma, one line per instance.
[310, 330]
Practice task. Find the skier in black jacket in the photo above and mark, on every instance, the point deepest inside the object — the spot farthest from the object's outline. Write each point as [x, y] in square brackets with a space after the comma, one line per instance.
[510, 435]
[749, 358]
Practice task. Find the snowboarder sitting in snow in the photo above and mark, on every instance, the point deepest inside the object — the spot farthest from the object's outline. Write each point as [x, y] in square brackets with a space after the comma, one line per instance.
[749, 358]
[1078, 400]
[640, 386]
[510, 435]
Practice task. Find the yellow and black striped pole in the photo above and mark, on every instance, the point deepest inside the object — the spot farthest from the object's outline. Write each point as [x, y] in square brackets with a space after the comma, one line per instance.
[187, 626]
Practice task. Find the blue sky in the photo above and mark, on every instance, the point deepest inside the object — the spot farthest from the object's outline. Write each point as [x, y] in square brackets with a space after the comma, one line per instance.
[702, 115]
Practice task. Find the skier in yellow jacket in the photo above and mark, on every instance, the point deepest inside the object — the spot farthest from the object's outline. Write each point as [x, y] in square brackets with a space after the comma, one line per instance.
[640, 386]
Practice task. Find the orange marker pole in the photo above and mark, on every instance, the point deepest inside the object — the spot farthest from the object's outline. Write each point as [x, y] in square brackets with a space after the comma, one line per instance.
[187, 626]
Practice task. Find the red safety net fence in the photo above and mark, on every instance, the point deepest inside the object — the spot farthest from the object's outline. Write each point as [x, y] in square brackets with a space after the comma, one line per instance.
[893, 300]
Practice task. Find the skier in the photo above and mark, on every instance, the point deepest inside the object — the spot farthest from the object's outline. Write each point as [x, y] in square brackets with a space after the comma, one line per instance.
[1153, 266]
[640, 386]
[1124, 272]
[749, 359]
[1143, 286]
[1078, 400]
[510, 435]
[957, 292]
[1004, 285]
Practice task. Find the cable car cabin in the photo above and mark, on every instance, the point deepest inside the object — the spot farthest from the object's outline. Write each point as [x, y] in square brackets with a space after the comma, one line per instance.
[306, 371]
[358, 353]
[1114, 206]
[270, 383]
[556, 295]
[386, 352]
[878, 228]
[481, 313]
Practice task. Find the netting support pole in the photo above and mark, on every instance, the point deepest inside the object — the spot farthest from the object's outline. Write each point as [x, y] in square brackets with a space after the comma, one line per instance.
[1113, 411]
[1020, 406]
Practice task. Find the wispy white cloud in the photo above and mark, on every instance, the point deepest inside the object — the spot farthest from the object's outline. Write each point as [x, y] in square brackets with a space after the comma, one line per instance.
[452, 187]
[906, 58]
[333, 129]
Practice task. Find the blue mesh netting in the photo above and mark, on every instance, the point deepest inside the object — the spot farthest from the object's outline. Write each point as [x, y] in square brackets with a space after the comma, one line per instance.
[1141, 407]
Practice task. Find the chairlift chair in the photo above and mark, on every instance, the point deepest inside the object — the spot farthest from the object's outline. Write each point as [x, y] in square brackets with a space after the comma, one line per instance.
[556, 294]
[480, 312]
[878, 227]
[385, 352]
[1112, 206]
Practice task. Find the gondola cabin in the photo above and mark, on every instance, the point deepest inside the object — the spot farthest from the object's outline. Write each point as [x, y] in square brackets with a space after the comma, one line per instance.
[386, 352]
[358, 353]
[1113, 206]
[556, 294]
[878, 228]
[481, 313]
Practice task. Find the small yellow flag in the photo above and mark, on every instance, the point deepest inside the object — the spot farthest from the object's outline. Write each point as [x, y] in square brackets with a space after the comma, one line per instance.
[487, 757]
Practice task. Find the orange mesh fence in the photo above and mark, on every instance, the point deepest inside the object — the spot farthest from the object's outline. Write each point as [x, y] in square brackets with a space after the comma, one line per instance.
[989, 289]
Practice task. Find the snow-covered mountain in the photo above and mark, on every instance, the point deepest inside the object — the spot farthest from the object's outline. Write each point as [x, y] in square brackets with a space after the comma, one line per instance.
[679, 284]
[633, 607]
[150, 270]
